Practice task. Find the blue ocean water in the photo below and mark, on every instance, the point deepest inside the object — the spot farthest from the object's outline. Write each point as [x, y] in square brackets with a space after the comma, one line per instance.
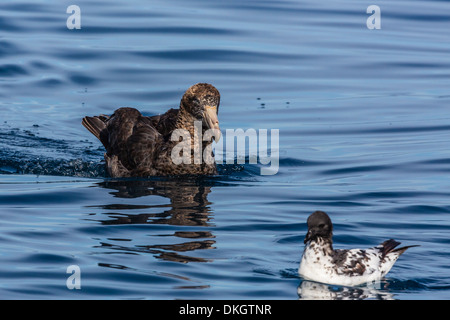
[363, 117]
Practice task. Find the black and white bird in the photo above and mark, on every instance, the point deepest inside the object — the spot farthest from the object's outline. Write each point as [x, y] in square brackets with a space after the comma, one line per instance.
[321, 263]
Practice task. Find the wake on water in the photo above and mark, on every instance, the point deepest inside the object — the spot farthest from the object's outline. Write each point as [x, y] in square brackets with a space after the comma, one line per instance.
[25, 152]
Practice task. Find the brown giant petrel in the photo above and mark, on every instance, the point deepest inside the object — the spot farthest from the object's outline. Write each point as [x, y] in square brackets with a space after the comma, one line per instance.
[140, 146]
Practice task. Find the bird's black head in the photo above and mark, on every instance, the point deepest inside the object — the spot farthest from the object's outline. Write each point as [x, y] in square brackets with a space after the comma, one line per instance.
[319, 225]
[202, 102]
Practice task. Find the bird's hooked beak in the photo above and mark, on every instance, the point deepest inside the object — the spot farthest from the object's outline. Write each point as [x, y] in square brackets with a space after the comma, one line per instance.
[211, 121]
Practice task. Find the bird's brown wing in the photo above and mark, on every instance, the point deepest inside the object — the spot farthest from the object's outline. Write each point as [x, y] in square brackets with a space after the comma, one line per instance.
[119, 129]
[142, 145]
[129, 138]
[165, 123]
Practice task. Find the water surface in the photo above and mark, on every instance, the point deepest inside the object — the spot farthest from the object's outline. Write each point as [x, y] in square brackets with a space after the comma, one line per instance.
[364, 128]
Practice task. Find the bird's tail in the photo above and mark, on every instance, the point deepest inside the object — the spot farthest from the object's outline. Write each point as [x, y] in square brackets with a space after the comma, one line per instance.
[95, 125]
[389, 246]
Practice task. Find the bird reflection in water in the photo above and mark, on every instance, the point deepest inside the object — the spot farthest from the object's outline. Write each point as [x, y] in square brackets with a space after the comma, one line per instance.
[188, 206]
[310, 290]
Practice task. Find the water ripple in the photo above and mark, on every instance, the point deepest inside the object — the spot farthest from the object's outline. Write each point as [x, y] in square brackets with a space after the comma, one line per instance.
[363, 121]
